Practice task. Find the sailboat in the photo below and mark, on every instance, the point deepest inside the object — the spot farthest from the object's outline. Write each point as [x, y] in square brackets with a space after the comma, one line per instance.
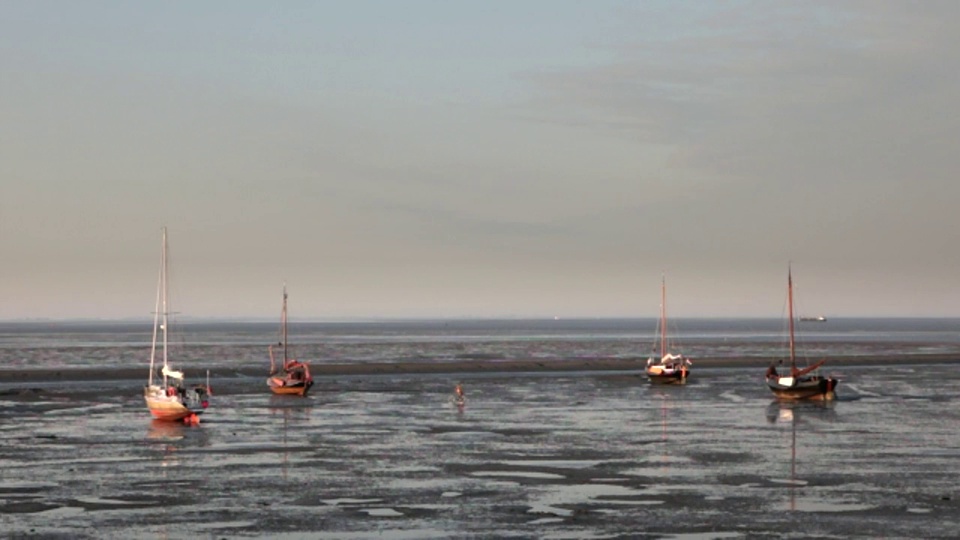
[166, 396]
[293, 377]
[799, 383]
[670, 368]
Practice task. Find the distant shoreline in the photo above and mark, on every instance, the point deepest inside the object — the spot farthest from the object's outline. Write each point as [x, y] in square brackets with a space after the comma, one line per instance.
[81, 374]
[187, 320]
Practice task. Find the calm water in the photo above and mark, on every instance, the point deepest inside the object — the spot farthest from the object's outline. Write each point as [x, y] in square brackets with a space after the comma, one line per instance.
[214, 345]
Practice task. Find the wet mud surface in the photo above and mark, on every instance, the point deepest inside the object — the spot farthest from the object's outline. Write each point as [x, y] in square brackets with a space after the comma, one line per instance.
[548, 455]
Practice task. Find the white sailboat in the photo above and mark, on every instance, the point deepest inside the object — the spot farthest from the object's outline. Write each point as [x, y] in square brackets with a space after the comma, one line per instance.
[166, 396]
[670, 368]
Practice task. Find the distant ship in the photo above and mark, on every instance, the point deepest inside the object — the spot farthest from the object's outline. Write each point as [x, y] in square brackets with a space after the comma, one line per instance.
[819, 318]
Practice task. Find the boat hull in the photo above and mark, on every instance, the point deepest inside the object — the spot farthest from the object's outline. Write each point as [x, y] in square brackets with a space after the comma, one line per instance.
[667, 378]
[668, 374]
[813, 388]
[283, 387]
[171, 414]
[170, 411]
[168, 408]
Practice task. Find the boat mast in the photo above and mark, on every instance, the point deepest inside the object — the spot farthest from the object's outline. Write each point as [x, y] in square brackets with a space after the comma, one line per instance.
[156, 321]
[663, 316]
[283, 325]
[793, 356]
[163, 285]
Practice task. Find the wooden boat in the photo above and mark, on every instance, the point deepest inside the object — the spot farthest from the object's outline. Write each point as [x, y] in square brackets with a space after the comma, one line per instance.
[165, 394]
[798, 383]
[292, 377]
[670, 368]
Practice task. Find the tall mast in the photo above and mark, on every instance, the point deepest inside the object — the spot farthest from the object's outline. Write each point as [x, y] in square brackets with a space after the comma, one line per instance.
[156, 321]
[283, 325]
[663, 316]
[163, 281]
[793, 356]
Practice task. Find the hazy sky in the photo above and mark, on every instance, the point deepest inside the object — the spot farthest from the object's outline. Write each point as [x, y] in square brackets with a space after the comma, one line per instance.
[487, 158]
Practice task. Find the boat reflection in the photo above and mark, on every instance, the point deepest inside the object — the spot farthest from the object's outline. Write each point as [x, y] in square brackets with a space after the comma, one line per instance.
[293, 410]
[670, 404]
[171, 437]
[295, 406]
[160, 430]
[794, 414]
[802, 411]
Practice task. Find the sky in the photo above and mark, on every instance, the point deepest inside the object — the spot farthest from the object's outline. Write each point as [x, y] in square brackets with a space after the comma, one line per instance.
[535, 158]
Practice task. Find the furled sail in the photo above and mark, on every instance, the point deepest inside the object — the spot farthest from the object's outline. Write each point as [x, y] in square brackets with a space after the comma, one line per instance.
[171, 373]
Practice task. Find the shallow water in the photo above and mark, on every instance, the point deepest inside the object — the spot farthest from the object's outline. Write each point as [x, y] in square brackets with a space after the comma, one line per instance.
[212, 345]
[560, 456]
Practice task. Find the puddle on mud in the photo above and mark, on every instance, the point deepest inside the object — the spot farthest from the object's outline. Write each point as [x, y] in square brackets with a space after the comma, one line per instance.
[519, 474]
[817, 505]
[381, 512]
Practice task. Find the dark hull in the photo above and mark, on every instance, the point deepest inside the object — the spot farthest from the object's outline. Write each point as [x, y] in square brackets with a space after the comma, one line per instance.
[669, 378]
[807, 388]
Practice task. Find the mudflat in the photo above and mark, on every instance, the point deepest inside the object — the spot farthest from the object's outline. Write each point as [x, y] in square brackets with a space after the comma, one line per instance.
[470, 366]
[535, 453]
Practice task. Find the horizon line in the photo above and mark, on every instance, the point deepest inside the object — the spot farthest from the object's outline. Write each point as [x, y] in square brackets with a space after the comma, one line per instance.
[262, 319]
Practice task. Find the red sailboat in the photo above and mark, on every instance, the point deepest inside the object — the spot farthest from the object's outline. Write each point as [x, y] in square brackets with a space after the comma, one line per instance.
[292, 377]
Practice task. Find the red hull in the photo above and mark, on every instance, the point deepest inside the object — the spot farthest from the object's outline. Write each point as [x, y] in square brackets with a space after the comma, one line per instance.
[277, 386]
